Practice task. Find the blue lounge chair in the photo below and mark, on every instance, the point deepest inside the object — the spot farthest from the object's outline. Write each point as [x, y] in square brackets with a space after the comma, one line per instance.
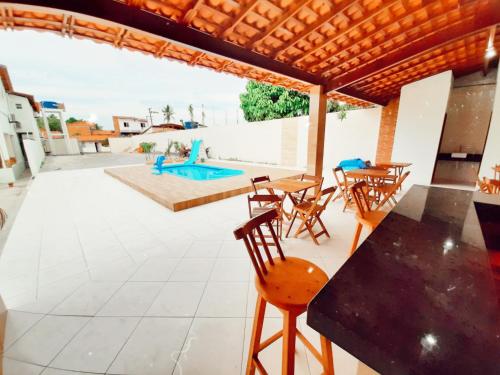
[195, 150]
[350, 164]
[159, 162]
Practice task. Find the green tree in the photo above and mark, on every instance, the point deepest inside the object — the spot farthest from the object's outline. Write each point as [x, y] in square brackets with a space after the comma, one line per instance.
[262, 101]
[266, 102]
[191, 112]
[72, 120]
[54, 123]
[98, 127]
[168, 113]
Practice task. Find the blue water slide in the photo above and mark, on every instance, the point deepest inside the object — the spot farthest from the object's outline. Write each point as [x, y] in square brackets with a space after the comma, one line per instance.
[195, 150]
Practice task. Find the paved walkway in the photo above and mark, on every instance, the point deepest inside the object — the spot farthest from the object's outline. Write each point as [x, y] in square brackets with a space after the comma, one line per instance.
[98, 278]
[97, 160]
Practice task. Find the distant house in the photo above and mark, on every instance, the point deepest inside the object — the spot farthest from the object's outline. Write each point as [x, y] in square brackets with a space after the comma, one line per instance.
[91, 139]
[160, 128]
[127, 126]
[20, 143]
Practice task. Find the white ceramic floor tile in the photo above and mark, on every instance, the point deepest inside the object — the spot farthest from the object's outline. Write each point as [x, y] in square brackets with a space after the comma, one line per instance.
[224, 299]
[153, 348]
[133, 299]
[120, 270]
[157, 268]
[233, 249]
[213, 346]
[192, 269]
[55, 371]
[42, 342]
[203, 249]
[96, 345]
[12, 367]
[177, 299]
[229, 269]
[87, 299]
[16, 324]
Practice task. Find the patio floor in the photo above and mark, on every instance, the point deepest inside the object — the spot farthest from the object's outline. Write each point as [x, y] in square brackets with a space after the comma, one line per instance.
[178, 193]
[99, 278]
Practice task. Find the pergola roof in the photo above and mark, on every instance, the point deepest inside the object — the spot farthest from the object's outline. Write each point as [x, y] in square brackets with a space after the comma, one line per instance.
[362, 51]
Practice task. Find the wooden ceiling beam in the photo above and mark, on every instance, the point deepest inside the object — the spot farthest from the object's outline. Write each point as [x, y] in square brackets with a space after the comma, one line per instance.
[487, 18]
[315, 25]
[191, 13]
[154, 24]
[385, 5]
[359, 95]
[425, 3]
[279, 22]
[239, 17]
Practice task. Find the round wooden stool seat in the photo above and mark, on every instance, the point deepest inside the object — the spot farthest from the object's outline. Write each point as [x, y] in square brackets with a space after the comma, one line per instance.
[291, 283]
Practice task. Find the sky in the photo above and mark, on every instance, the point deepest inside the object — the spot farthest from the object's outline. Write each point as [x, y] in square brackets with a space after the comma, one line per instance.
[97, 81]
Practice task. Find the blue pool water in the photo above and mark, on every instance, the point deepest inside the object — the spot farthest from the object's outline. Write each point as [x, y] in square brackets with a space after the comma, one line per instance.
[200, 172]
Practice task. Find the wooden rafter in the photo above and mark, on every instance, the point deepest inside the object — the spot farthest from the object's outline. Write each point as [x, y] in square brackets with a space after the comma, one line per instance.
[486, 19]
[280, 21]
[385, 5]
[395, 21]
[316, 25]
[247, 8]
[191, 12]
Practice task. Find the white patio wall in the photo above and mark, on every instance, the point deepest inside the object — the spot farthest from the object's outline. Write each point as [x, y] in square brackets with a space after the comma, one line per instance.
[422, 109]
[262, 142]
[491, 155]
[35, 155]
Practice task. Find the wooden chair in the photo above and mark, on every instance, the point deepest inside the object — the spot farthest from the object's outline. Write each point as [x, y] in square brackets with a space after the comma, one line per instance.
[311, 178]
[365, 216]
[496, 171]
[289, 284]
[343, 186]
[310, 213]
[488, 186]
[388, 191]
[267, 202]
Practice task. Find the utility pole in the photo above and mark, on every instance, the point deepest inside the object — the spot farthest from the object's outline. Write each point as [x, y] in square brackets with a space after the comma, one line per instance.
[150, 110]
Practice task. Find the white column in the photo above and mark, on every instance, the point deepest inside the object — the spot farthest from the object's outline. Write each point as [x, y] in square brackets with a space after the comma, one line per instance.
[47, 130]
[65, 131]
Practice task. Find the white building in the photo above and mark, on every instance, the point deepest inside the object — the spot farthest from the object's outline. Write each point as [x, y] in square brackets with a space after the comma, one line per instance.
[20, 144]
[129, 125]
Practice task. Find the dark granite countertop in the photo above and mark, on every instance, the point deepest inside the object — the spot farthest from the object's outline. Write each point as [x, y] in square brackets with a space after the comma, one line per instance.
[422, 294]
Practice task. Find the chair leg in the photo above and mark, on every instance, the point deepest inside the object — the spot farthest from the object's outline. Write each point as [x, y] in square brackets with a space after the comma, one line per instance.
[258, 322]
[291, 224]
[356, 238]
[327, 355]
[289, 336]
[318, 219]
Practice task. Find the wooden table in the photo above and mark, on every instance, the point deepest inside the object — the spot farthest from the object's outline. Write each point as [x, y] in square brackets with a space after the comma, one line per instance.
[398, 167]
[420, 296]
[290, 186]
[371, 176]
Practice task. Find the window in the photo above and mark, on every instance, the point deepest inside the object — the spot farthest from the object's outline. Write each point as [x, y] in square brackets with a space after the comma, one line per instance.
[125, 124]
[143, 125]
[19, 106]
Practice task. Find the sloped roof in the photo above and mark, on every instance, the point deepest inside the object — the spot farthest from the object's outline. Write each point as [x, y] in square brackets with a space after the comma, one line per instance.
[362, 51]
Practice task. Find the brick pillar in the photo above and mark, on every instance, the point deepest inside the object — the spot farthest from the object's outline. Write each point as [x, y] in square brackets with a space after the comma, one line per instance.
[387, 130]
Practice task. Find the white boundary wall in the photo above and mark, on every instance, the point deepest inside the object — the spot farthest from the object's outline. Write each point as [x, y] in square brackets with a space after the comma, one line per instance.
[262, 142]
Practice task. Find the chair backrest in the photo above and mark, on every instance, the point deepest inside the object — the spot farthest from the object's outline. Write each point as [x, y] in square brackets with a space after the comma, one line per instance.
[358, 191]
[258, 180]
[484, 185]
[263, 198]
[246, 232]
[342, 179]
[394, 188]
[320, 202]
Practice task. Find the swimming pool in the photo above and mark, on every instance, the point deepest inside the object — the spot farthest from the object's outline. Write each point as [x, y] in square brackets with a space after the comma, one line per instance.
[200, 172]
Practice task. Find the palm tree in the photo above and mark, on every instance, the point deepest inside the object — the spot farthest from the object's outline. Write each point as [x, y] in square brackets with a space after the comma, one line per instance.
[191, 112]
[168, 113]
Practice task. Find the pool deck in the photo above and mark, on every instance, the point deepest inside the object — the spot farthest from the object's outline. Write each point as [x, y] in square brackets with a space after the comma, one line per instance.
[177, 193]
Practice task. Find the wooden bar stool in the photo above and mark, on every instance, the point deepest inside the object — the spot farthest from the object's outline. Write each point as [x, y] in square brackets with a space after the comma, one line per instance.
[287, 283]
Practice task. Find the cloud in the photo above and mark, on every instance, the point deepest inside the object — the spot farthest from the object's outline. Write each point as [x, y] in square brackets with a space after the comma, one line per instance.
[101, 81]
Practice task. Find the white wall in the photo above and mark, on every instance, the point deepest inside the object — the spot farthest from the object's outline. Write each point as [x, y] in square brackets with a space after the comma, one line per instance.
[261, 142]
[491, 155]
[422, 109]
[35, 155]
[134, 125]
[60, 147]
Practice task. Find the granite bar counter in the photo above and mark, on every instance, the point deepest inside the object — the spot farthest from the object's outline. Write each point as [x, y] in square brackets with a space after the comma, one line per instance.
[422, 294]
